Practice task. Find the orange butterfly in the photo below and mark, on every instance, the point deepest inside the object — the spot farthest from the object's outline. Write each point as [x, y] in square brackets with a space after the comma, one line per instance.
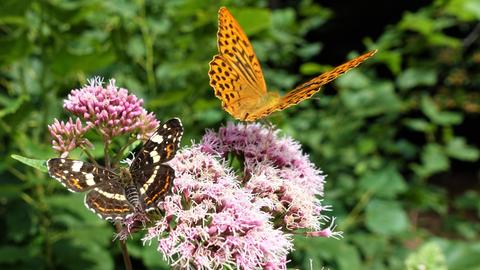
[237, 78]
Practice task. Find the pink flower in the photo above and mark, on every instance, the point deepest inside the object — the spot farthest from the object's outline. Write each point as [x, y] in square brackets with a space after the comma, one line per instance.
[276, 170]
[218, 218]
[217, 223]
[67, 136]
[110, 109]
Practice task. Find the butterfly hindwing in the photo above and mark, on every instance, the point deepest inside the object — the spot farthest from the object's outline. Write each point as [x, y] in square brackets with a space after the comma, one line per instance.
[77, 175]
[108, 201]
[154, 189]
[230, 88]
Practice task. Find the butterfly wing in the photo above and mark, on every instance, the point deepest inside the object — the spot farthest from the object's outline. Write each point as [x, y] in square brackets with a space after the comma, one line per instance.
[163, 176]
[311, 87]
[77, 175]
[108, 201]
[235, 73]
[153, 178]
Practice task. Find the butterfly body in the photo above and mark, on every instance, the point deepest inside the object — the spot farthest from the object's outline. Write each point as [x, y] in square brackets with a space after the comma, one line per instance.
[237, 79]
[138, 188]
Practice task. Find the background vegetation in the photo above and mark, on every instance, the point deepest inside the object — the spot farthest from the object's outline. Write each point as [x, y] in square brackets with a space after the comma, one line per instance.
[397, 136]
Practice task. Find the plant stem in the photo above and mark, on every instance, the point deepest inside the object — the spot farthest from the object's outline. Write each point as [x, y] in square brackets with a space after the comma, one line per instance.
[119, 155]
[105, 152]
[350, 219]
[90, 157]
[126, 258]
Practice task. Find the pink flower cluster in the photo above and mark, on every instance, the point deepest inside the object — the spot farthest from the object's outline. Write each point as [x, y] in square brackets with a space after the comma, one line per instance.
[109, 109]
[218, 224]
[217, 218]
[67, 135]
[276, 170]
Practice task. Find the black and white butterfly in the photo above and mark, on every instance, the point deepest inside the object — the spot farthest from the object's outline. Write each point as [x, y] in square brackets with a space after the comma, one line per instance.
[116, 195]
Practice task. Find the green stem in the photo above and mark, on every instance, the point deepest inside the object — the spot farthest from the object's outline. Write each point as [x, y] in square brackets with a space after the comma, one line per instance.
[119, 155]
[356, 210]
[90, 157]
[105, 152]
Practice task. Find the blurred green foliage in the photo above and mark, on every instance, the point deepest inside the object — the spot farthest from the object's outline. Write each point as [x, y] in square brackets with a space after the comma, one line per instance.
[397, 139]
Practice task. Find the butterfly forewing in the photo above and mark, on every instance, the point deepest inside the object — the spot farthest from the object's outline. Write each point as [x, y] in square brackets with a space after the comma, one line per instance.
[152, 177]
[235, 73]
[77, 175]
[311, 87]
[236, 50]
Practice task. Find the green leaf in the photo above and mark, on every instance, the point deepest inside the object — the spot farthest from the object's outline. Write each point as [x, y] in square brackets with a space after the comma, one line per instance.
[468, 10]
[438, 117]
[375, 99]
[419, 125]
[428, 256]
[419, 22]
[386, 217]
[416, 76]
[153, 258]
[13, 48]
[459, 149]
[392, 58]
[11, 105]
[461, 255]
[11, 254]
[35, 163]
[21, 222]
[86, 254]
[386, 183]
[311, 68]
[376, 245]
[434, 160]
[67, 62]
[349, 258]
[12, 9]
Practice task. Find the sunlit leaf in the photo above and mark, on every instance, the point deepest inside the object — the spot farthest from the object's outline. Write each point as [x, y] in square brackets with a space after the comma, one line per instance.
[386, 217]
[459, 149]
[35, 163]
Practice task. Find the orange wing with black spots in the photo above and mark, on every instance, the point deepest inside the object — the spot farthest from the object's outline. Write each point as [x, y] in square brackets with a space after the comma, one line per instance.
[311, 87]
[237, 79]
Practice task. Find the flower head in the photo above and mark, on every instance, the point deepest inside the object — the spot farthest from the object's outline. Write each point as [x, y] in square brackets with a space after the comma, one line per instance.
[218, 218]
[276, 170]
[217, 222]
[67, 135]
[110, 109]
